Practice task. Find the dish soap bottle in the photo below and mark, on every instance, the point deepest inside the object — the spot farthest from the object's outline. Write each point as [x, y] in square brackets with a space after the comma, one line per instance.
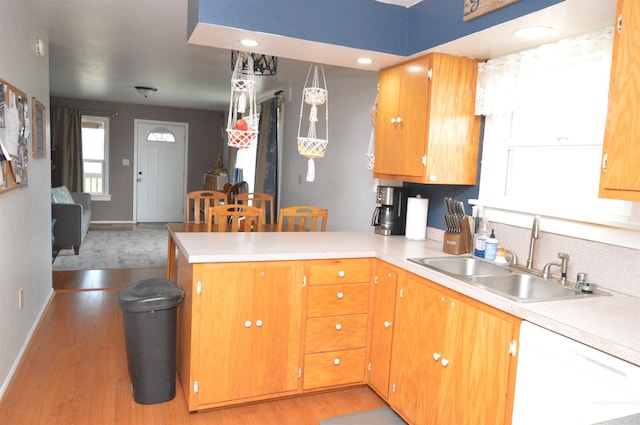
[501, 255]
[491, 246]
[480, 239]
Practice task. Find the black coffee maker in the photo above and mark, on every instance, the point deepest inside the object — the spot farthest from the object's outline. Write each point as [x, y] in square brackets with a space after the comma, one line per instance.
[390, 215]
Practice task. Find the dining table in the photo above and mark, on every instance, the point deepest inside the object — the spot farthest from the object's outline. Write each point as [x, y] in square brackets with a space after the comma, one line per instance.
[194, 227]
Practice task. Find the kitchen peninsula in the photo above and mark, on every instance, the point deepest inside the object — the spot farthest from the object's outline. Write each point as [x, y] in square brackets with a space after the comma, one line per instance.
[305, 268]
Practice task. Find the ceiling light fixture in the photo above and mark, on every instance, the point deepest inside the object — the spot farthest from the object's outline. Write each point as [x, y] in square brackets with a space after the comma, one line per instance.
[247, 42]
[146, 91]
[364, 61]
[262, 64]
[531, 33]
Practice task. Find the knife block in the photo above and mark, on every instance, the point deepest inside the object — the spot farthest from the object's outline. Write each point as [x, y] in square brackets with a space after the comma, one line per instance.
[458, 243]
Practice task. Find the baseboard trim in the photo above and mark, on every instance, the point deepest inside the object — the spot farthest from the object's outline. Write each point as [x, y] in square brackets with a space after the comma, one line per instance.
[23, 349]
[112, 222]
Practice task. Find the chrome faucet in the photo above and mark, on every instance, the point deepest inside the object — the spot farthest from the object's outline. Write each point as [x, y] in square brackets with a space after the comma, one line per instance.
[535, 233]
[564, 260]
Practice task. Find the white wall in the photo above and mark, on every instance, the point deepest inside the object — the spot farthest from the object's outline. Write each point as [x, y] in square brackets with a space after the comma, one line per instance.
[25, 214]
[342, 183]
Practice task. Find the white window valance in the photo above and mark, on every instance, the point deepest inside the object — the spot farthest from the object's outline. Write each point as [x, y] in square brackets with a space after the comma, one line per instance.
[507, 82]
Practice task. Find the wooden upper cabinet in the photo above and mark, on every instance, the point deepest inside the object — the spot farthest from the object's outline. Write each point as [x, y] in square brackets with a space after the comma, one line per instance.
[619, 176]
[426, 130]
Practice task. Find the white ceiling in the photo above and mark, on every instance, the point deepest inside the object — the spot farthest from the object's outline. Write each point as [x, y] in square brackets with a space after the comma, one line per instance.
[100, 50]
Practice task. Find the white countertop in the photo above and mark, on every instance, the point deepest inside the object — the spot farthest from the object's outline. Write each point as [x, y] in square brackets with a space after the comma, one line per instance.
[610, 323]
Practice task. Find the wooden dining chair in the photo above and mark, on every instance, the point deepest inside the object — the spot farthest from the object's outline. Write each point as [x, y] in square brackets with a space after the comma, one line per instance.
[234, 218]
[302, 218]
[264, 201]
[199, 202]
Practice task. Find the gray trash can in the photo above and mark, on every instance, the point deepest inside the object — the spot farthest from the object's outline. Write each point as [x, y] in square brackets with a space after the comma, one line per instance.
[149, 312]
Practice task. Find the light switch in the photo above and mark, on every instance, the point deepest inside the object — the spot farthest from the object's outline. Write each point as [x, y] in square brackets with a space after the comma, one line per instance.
[125, 162]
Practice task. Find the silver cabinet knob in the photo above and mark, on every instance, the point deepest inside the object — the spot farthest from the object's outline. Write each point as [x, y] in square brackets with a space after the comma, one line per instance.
[341, 273]
[436, 356]
[336, 362]
[340, 295]
[387, 323]
[338, 326]
[444, 362]
[258, 323]
[247, 324]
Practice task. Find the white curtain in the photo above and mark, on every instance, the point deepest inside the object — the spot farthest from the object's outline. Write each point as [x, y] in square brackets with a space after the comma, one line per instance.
[540, 76]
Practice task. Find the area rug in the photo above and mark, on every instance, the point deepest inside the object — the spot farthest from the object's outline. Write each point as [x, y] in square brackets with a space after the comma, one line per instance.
[141, 247]
[381, 416]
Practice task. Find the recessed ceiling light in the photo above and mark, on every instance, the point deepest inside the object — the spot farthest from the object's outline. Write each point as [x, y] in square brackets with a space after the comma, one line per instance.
[532, 32]
[247, 42]
[364, 61]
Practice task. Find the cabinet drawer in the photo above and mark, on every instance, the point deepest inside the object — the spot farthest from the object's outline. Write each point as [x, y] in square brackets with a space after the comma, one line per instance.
[335, 300]
[340, 271]
[336, 333]
[333, 368]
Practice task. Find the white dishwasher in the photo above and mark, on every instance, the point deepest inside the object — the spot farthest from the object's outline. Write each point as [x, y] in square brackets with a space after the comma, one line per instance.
[562, 381]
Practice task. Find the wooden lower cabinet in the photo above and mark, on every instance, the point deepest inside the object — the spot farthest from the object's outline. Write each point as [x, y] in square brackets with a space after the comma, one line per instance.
[261, 330]
[453, 359]
[336, 323]
[242, 341]
[382, 310]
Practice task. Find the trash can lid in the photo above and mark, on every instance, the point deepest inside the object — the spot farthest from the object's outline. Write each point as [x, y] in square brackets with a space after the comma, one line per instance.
[150, 294]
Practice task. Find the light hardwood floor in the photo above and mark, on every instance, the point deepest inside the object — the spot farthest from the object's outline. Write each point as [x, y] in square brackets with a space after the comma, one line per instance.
[75, 372]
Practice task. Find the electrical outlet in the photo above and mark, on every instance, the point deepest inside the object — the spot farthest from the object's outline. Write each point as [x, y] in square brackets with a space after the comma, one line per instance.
[20, 298]
[299, 178]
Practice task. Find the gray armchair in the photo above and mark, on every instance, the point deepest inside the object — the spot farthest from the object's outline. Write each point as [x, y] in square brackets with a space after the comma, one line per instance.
[72, 222]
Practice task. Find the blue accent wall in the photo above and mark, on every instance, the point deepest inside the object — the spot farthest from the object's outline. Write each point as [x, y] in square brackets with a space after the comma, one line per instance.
[362, 24]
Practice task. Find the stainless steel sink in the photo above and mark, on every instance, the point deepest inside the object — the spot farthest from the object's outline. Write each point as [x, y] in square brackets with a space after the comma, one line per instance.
[463, 266]
[502, 280]
[526, 288]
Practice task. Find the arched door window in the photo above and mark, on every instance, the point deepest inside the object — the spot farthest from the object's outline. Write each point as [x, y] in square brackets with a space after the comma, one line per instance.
[161, 135]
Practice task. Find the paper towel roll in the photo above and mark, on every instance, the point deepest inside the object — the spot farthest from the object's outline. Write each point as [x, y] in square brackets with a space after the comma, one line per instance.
[416, 227]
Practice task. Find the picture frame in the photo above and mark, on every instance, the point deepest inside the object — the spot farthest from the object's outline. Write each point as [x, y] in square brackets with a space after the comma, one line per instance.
[476, 8]
[38, 132]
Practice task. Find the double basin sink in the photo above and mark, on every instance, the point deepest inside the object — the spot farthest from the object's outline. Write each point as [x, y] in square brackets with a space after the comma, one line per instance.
[504, 280]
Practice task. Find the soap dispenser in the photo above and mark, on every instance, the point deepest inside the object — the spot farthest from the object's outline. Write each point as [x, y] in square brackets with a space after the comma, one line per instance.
[491, 246]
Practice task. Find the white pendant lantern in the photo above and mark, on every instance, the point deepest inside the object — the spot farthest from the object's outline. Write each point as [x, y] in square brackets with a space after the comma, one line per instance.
[315, 100]
[242, 122]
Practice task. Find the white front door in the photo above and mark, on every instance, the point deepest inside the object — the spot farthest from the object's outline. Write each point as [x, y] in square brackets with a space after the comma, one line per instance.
[160, 171]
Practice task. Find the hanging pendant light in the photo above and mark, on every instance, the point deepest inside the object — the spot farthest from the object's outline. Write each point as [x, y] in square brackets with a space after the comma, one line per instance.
[242, 121]
[315, 98]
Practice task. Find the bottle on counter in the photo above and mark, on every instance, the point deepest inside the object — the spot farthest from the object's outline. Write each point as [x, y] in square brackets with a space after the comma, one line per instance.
[480, 239]
[491, 246]
[501, 255]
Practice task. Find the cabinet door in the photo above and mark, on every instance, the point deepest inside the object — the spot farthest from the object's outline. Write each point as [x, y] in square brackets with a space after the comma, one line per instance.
[475, 380]
[388, 130]
[383, 293]
[417, 335]
[225, 333]
[453, 130]
[619, 177]
[250, 331]
[277, 312]
[403, 93]
[413, 110]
